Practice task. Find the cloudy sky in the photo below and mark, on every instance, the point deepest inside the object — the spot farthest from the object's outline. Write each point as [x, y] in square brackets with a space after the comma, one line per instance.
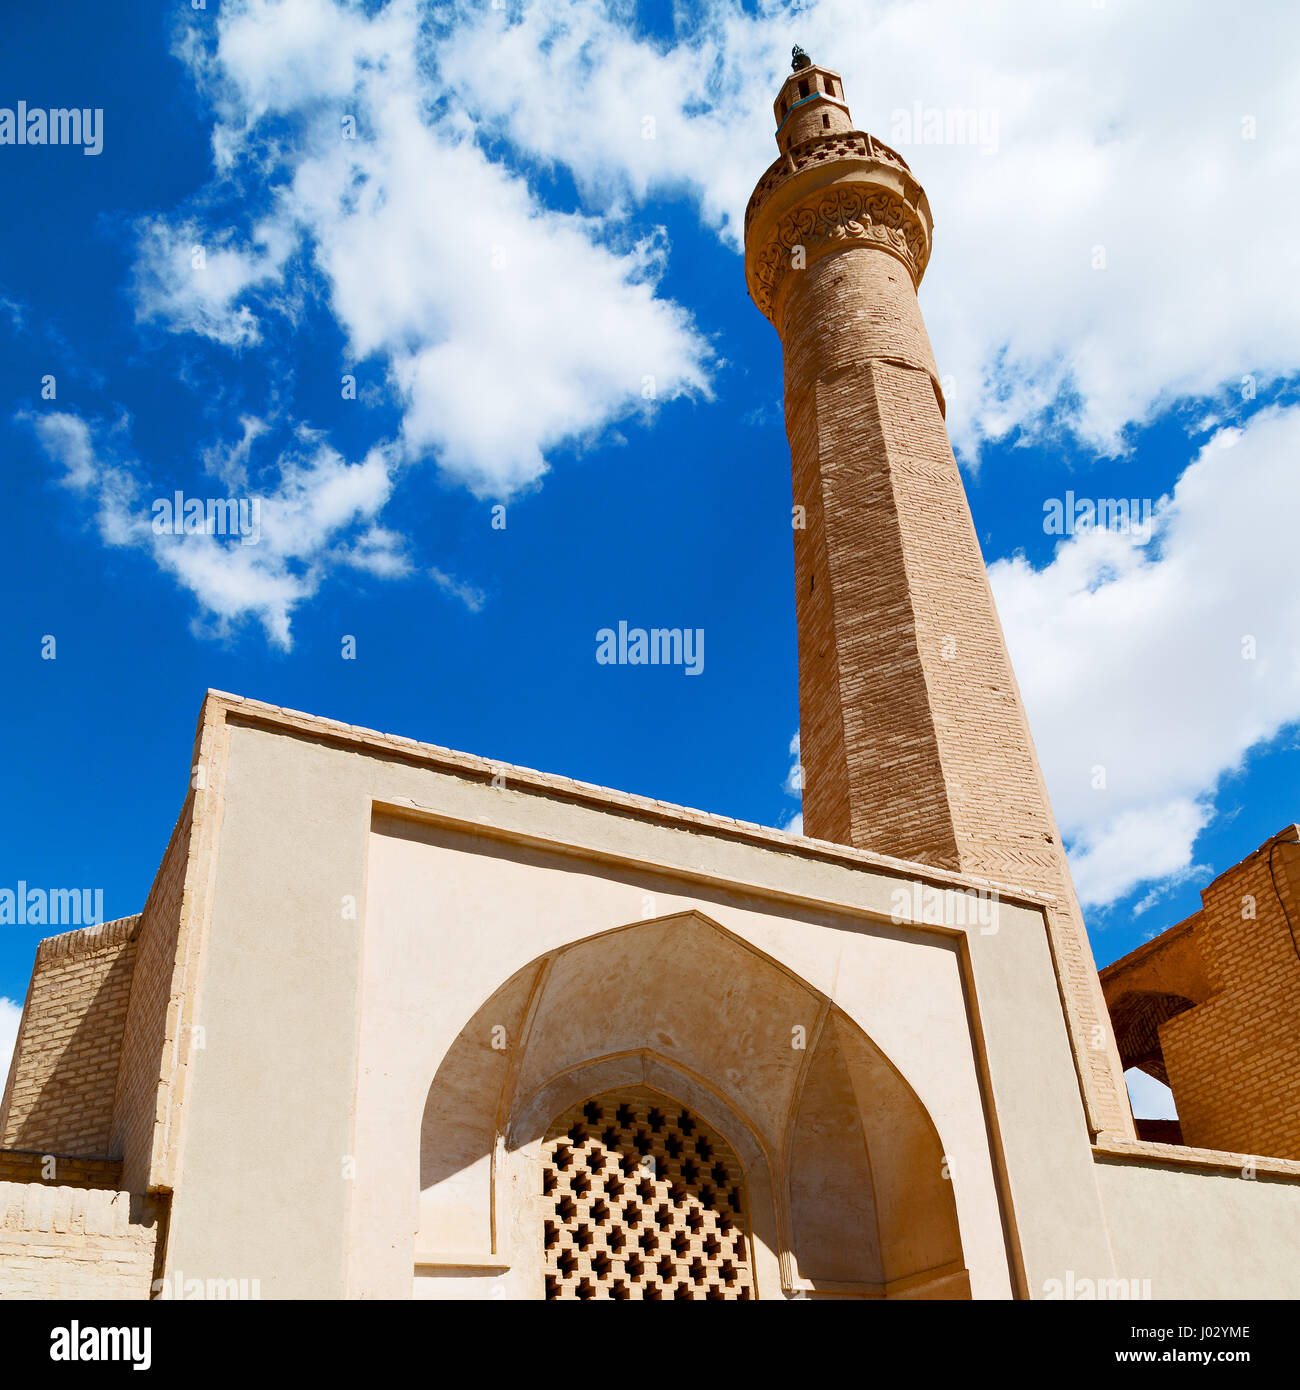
[454, 291]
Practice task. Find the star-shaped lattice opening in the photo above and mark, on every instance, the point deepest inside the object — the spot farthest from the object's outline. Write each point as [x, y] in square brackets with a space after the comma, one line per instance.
[642, 1201]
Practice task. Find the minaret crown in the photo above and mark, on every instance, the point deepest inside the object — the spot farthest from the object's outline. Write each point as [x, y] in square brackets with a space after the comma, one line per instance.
[810, 102]
[831, 188]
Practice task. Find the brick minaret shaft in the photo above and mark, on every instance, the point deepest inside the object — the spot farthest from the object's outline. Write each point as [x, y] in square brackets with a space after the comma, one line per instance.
[913, 735]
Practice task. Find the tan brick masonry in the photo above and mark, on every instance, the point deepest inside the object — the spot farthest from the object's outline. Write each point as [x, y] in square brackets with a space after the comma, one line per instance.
[1229, 979]
[60, 1097]
[914, 738]
[68, 1242]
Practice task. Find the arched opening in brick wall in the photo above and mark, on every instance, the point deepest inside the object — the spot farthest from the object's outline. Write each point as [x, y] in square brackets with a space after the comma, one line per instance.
[1138, 1016]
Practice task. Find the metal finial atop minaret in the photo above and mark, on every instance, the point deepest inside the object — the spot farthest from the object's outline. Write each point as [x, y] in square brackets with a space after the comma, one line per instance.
[799, 59]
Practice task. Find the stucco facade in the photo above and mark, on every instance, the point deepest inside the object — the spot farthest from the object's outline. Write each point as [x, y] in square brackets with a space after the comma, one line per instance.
[394, 967]
[399, 1022]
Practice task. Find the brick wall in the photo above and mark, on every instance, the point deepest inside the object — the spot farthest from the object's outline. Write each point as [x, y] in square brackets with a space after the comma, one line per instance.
[1234, 1060]
[153, 1014]
[64, 1073]
[804, 107]
[70, 1242]
[97, 1049]
[914, 738]
[26, 1166]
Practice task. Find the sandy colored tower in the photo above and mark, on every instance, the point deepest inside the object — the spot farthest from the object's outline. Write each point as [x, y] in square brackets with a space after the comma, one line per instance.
[914, 737]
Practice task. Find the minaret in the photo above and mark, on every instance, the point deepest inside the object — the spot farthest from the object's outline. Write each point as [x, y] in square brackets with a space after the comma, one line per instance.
[913, 735]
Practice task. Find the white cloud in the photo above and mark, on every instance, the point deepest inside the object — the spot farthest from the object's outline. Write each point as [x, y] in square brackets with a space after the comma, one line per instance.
[1150, 843]
[794, 778]
[1156, 668]
[570, 83]
[794, 787]
[229, 461]
[472, 598]
[508, 329]
[192, 278]
[1113, 136]
[378, 551]
[321, 512]
[11, 1014]
[280, 55]
[1163, 888]
[1118, 127]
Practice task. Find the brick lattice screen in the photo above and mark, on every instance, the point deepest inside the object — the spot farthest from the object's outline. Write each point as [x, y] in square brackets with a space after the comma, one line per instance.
[642, 1199]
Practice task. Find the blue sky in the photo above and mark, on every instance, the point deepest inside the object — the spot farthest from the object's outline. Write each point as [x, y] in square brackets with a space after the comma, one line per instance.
[524, 253]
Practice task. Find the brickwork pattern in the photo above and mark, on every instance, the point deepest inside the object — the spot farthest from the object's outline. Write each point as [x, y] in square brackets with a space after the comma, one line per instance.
[821, 147]
[1234, 1060]
[152, 1017]
[70, 1242]
[28, 1166]
[932, 759]
[64, 1073]
[642, 1200]
[102, 1018]
[914, 738]
[810, 101]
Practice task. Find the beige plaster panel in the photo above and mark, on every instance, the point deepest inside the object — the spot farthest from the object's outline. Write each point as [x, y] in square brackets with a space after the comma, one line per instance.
[279, 1177]
[450, 918]
[1213, 1234]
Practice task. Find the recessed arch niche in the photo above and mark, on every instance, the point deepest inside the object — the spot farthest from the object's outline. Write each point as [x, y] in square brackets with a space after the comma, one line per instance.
[843, 1167]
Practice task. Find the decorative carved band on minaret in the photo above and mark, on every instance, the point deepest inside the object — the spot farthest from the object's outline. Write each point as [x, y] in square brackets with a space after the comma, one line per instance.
[830, 191]
[914, 740]
[827, 221]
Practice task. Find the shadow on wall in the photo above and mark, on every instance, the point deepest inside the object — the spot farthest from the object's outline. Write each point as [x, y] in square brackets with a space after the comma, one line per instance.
[72, 1112]
[844, 1168]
